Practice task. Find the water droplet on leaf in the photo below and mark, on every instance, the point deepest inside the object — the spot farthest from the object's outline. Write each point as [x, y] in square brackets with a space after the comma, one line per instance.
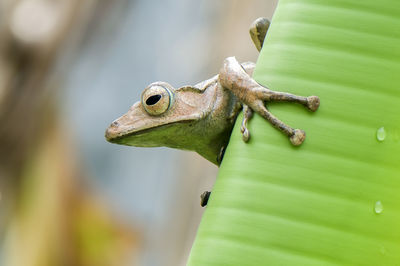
[381, 134]
[378, 207]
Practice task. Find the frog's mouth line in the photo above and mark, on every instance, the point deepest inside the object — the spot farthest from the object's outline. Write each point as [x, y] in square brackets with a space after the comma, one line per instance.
[119, 139]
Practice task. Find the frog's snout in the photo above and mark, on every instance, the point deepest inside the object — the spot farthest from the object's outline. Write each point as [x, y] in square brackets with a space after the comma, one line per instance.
[112, 131]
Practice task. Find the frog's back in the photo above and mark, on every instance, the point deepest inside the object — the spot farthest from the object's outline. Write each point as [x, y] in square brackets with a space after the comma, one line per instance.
[212, 82]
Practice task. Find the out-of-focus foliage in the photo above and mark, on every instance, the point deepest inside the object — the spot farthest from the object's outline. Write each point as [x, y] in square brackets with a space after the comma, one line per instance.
[58, 223]
[48, 216]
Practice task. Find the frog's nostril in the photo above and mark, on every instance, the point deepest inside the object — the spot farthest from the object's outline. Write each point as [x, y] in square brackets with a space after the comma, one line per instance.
[115, 124]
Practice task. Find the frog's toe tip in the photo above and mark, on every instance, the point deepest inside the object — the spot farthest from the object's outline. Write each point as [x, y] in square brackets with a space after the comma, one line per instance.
[313, 103]
[298, 137]
[245, 135]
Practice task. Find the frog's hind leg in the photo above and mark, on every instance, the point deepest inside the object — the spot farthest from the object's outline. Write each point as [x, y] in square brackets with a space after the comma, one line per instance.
[258, 31]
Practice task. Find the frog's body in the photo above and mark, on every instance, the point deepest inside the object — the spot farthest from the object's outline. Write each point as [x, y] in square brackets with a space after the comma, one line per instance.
[201, 117]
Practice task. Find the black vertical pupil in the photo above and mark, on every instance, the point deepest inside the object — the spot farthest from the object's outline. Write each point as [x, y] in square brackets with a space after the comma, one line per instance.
[153, 99]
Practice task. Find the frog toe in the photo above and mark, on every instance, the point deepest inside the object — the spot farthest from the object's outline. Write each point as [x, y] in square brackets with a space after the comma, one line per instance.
[245, 134]
[298, 137]
[313, 103]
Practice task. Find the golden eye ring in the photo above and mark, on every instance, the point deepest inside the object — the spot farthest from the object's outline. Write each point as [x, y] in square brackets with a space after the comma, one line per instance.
[157, 99]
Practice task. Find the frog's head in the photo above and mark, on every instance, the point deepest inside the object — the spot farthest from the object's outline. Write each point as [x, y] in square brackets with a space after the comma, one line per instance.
[165, 116]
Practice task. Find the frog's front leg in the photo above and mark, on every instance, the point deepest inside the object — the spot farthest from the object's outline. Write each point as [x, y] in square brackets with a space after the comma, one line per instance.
[233, 77]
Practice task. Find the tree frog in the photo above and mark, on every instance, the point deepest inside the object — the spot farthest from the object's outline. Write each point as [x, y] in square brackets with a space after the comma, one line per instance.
[201, 117]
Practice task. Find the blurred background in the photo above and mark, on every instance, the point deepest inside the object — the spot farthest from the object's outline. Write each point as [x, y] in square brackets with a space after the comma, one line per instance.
[68, 68]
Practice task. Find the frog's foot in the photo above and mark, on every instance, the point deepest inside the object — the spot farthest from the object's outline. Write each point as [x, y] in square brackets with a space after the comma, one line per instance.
[258, 30]
[247, 115]
[250, 93]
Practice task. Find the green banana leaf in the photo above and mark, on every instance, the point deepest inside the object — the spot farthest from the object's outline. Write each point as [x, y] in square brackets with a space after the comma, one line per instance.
[335, 200]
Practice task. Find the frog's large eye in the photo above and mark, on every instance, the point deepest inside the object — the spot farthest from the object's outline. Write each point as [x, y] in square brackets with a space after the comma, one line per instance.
[156, 99]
